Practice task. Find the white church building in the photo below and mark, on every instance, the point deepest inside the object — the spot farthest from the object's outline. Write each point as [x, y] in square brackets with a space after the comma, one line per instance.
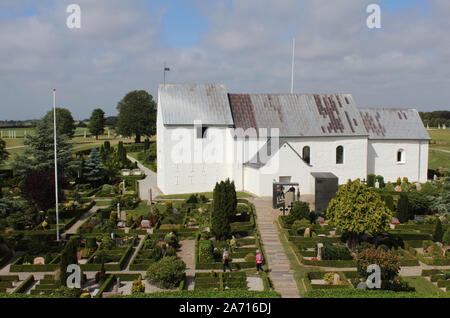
[205, 135]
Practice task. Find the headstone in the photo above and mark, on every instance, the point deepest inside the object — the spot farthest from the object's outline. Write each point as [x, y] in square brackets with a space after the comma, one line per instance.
[435, 178]
[38, 261]
[175, 211]
[319, 251]
[307, 232]
[336, 278]
[320, 219]
[112, 235]
[145, 224]
[377, 184]
[361, 285]
[418, 186]
[117, 285]
[443, 219]
[95, 292]
[150, 196]
[123, 215]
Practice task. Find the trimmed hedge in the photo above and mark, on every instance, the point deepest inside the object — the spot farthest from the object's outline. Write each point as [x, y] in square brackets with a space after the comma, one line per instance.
[109, 282]
[206, 294]
[357, 293]
[22, 288]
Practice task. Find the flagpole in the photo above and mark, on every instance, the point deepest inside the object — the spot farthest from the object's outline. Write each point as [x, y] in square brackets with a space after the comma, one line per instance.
[56, 164]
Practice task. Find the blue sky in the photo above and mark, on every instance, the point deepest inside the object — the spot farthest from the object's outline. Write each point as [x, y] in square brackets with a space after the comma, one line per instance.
[244, 44]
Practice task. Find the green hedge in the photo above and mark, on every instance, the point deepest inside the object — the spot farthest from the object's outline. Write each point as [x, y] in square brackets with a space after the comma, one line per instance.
[357, 293]
[22, 288]
[206, 294]
[109, 282]
[219, 265]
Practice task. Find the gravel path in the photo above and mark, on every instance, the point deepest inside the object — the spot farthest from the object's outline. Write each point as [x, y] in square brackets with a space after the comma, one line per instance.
[149, 182]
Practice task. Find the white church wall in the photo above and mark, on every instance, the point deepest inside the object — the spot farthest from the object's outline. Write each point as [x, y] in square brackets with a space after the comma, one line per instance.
[323, 156]
[193, 164]
[382, 159]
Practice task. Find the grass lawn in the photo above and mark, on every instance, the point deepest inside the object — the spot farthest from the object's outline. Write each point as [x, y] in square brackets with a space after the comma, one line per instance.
[421, 284]
[209, 195]
[440, 141]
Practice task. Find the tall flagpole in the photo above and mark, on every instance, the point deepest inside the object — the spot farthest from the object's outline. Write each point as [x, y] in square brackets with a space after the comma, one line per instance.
[293, 62]
[56, 164]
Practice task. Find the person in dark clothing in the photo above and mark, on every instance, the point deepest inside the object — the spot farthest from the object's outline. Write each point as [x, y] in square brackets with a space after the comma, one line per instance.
[226, 263]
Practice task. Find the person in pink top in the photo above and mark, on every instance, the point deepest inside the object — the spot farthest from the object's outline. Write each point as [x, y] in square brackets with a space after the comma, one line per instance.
[258, 261]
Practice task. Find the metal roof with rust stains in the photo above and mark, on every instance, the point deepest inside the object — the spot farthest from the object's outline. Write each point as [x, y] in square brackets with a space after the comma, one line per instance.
[393, 123]
[182, 104]
[298, 114]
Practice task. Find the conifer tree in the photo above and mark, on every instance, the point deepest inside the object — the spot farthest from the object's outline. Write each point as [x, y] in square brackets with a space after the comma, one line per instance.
[438, 232]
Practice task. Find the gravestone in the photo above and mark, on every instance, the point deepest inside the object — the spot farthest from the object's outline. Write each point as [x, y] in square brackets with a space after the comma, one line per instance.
[145, 224]
[123, 215]
[307, 232]
[377, 184]
[319, 251]
[336, 278]
[418, 186]
[38, 261]
[361, 285]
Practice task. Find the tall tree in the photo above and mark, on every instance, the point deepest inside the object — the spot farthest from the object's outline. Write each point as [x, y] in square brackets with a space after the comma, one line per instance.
[93, 171]
[3, 153]
[68, 257]
[137, 115]
[38, 187]
[65, 125]
[438, 232]
[97, 122]
[403, 208]
[358, 209]
[39, 153]
[220, 222]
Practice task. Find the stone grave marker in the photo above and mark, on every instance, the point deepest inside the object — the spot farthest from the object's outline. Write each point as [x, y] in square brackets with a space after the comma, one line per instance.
[123, 215]
[38, 261]
[145, 224]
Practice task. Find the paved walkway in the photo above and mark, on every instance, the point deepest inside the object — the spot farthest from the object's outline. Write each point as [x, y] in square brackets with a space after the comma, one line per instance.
[74, 228]
[279, 266]
[187, 254]
[149, 182]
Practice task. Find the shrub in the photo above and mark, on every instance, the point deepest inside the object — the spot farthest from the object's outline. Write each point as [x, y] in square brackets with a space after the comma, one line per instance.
[192, 199]
[418, 203]
[389, 187]
[138, 286]
[403, 209]
[250, 257]
[205, 251]
[332, 252]
[91, 242]
[167, 273]
[387, 260]
[438, 232]
[300, 226]
[371, 180]
[446, 237]
[300, 211]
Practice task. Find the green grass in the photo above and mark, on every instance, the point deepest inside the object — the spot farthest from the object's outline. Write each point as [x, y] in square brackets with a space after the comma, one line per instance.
[142, 209]
[421, 284]
[440, 141]
[357, 293]
[209, 195]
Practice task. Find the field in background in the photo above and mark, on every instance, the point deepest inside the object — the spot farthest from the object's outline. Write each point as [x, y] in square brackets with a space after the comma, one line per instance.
[439, 150]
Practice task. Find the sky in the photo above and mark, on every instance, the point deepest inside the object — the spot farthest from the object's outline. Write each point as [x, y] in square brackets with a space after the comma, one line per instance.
[122, 45]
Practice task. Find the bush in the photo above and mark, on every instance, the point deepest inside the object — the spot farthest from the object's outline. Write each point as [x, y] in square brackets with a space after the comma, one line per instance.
[250, 257]
[192, 199]
[371, 180]
[446, 237]
[363, 245]
[438, 232]
[300, 226]
[403, 209]
[332, 252]
[205, 252]
[138, 286]
[299, 211]
[167, 273]
[387, 260]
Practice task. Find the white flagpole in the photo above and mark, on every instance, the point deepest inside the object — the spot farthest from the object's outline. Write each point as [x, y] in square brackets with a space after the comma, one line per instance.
[293, 62]
[56, 164]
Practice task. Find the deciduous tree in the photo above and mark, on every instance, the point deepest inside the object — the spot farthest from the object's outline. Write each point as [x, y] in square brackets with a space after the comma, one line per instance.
[137, 115]
[358, 209]
[97, 122]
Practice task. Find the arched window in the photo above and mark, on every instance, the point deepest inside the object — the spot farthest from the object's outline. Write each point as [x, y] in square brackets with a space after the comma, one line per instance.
[339, 155]
[400, 156]
[306, 154]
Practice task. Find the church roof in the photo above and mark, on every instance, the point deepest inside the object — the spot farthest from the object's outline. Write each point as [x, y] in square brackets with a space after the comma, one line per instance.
[393, 123]
[295, 115]
[182, 104]
[298, 114]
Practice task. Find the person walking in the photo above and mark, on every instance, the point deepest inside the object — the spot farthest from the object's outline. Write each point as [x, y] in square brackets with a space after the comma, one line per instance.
[258, 261]
[225, 258]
